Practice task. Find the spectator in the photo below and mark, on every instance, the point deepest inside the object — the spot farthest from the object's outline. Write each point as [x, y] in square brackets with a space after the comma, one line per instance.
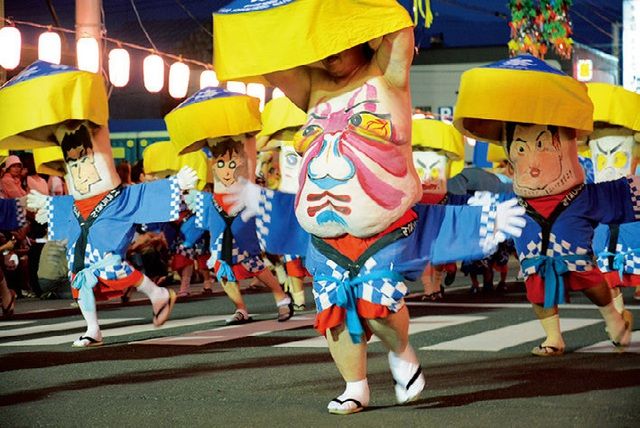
[124, 171]
[34, 180]
[12, 179]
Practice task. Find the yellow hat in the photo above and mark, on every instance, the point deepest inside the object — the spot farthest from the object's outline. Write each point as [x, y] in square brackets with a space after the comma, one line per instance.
[49, 160]
[254, 38]
[615, 105]
[437, 135]
[211, 113]
[456, 167]
[496, 153]
[43, 95]
[523, 89]
[3, 155]
[279, 114]
[161, 159]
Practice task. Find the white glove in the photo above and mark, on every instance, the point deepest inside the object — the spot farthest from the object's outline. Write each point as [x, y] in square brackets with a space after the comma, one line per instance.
[481, 198]
[191, 198]
[509, 219]
[38, 202]
[243, 198]
[187, 178]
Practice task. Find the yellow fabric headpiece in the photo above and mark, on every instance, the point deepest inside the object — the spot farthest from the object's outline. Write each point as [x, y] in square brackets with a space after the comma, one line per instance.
[212, 113]
[254, 38]
[3, 155]
[49, 160]
[523, 89]
[278, 114]
[615, 105]
[161, 159]
[437, 135]
[496, 153]
[43, 95]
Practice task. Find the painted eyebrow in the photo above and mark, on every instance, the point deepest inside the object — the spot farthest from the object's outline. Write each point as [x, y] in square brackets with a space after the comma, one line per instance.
[520, 139]
[433, 164]
[538, 137]
[360, 103]
[420, 163]
[607, 152]
[317, 116]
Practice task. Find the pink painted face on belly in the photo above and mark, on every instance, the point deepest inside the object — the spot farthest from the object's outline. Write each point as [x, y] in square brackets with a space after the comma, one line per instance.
[355, 179]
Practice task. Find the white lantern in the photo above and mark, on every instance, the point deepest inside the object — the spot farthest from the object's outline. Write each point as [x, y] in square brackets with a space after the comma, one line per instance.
[49, 47]
[277, 93]
[153, 70]
[10, 40]
[88, 54]
[238, 87]
[208, 78]
[119, 64]
[257, 90]
[178, 79]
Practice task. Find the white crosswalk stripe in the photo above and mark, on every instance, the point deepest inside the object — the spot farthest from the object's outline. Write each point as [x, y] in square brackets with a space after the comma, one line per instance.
[417, 325]
[44, 328]
[506, 337]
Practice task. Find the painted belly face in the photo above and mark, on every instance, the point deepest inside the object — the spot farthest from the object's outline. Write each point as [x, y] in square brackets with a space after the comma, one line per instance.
[612, 153]
[355, 179]
[545, 160]
[290, 165]
[433, 169]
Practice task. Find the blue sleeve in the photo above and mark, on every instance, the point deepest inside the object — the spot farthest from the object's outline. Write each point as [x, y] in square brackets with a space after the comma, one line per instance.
[202, 209]
[190, 232]
[153, 202]
[12, 214]
[278, 229]
[60, 216]
[615, 202]
[453, 233]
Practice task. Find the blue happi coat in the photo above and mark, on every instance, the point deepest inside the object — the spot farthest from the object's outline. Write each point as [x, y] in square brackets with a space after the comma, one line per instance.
[562, 242]
[441, 234]
[114, 227]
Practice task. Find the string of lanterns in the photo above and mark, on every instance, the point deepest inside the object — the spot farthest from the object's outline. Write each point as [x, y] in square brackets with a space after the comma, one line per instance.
[119, 61]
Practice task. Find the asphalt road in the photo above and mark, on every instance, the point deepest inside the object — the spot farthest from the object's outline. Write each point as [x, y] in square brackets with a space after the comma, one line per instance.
[196, 372]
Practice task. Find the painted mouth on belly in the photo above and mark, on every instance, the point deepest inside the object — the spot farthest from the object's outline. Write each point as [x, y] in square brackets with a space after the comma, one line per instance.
[312, 211]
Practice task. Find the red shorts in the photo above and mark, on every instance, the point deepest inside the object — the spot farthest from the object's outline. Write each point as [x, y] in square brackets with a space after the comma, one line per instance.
[335, 315]
[573, 281]
[107, 289]
[202, 261]
[179, 262]
[628, 280]
[239, 271]
[296, 269]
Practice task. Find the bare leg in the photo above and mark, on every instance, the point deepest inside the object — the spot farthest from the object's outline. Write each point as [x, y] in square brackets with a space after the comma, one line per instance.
[297, 292]
[270, 281]
[185, 280]
[233, 293]
[162, 299]
[616, 297]
[553, 345]
[351, 361]
[427, 281]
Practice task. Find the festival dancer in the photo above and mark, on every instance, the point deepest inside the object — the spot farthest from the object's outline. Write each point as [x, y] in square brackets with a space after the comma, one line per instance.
[97, 218]
[235, 252]
[281, 119]
[12, 217]
[536, 114]
[615, 152]
[358, 184]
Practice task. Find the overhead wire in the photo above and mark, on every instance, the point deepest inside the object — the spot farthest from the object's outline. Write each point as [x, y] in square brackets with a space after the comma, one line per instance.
[144, 30]
[188, 12]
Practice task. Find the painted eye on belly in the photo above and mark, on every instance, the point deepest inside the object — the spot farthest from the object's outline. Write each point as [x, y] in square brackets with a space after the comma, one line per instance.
[305, 136]
[371, 126]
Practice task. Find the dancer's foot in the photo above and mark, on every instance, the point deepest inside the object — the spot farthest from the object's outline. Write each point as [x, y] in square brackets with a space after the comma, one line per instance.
[407, 377]
[353, 400]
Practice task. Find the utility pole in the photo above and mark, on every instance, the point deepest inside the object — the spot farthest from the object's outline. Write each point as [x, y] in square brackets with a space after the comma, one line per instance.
[615, 47]
[3, 72]
[89, 22]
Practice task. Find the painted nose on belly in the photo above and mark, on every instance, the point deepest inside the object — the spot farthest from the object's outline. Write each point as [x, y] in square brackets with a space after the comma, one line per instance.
[330, 168]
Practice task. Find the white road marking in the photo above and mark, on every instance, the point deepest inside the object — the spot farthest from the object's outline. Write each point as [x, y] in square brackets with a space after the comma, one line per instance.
[120, 331]
[12, 323]
[417, 325]
[606, 347]
[508, 305]
[69, 325]
[506, 337]
[231, 332]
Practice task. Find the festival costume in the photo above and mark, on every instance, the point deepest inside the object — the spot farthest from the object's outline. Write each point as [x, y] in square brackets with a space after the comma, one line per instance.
[97, 218]
[539, 136]
[615, 150]
[352, 214]
[12, 214]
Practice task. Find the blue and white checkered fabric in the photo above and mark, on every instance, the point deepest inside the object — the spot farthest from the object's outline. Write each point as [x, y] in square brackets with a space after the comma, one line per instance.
[488, 225]
[634, 184]
[561, 248]
[176, 198]
[21, 214]
[263, 217]
[49, 207]
[386, 292]
[92, 256]
[631, 260]
[198, 210]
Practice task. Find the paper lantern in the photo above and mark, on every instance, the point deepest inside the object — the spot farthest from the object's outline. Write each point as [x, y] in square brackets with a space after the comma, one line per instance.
[153, 69]
[257, 90]
[10, 40]
[49, 47]
[208, 78]
[178, 79]
[277, 93]
[88, 53]
[237, 87]
[119, 65]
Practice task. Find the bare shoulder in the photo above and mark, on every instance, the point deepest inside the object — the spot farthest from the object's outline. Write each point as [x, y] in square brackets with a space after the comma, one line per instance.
[295, 83]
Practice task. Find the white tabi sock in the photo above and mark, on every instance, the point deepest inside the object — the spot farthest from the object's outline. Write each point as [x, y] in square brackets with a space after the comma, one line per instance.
[407, 374]
[152, 291]
[90, 316]
[283, 302]
[358, 390]
[618, 303]
[614, 321]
